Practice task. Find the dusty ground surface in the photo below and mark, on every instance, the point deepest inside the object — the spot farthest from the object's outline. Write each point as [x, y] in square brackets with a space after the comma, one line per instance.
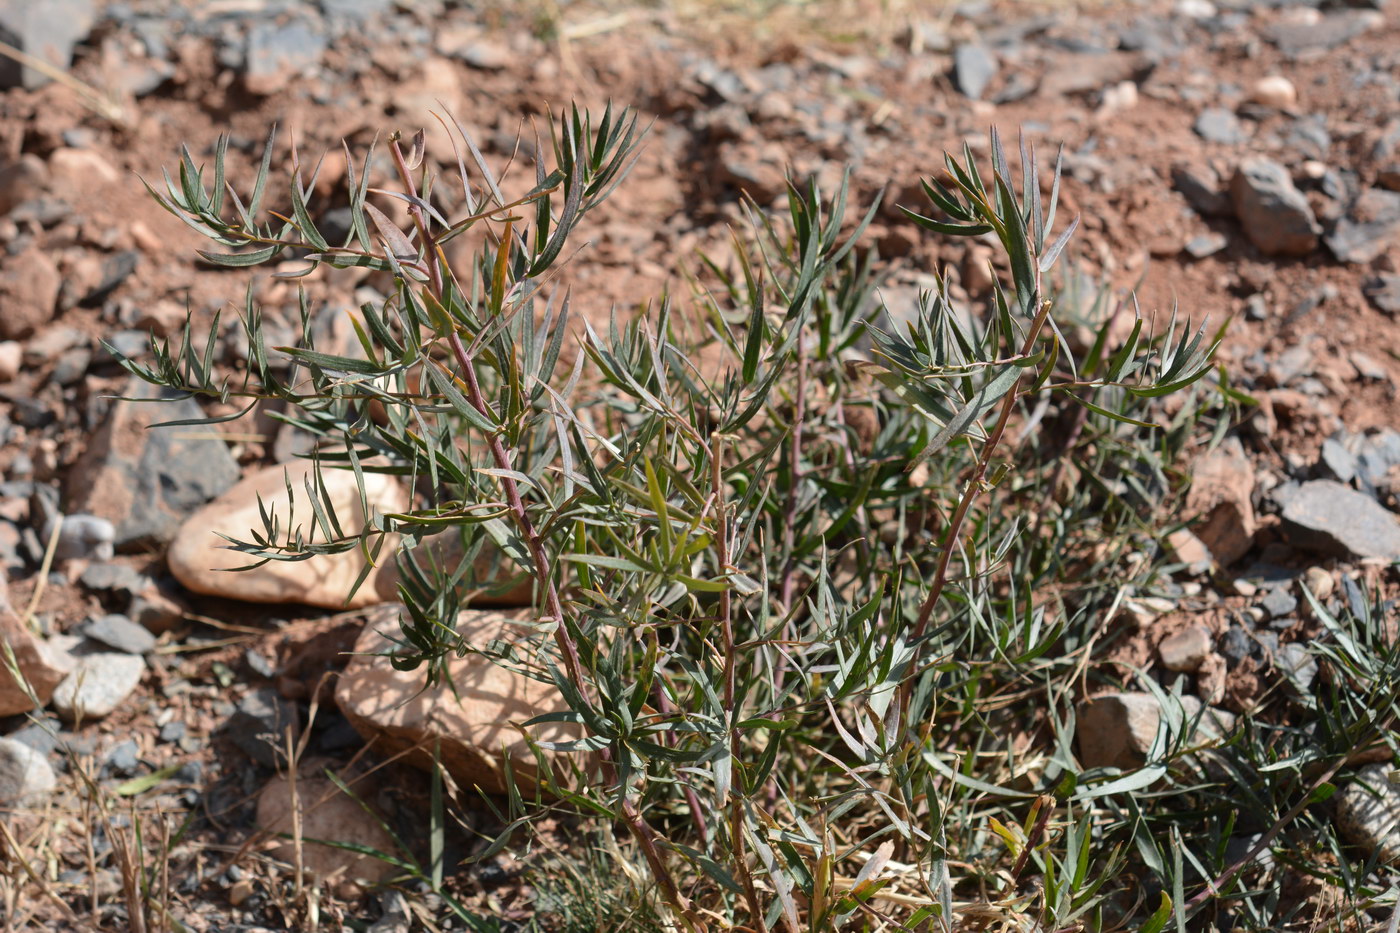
[1156, 108]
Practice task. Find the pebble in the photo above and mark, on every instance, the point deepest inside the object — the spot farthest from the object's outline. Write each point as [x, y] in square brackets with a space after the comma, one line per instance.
[1206, 244]
[1368, 812]
[279, 50]
[974, 67]
[124, 759]
[259, 723]
[11, 357]
[25, 775]
[1369, 228]
[29, 286]
[1118, 730]
[1328, 518]
[1383, 291]
[1274, 91]
[1186, 650]
[325, 813]
[112, 578]
[1236, 645]
[1295, 660]
[97, 685]
[1320, 582]
[1279, 603]
[1219, 125]
[51, 34]
[1275, 215]
[119, 632]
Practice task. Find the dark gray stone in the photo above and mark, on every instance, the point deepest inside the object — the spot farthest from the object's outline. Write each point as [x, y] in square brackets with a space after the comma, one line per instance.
[116, 579]
[1207, 244]
[1218, 125]
[145, 480]
[1370, 227]
[1275, 215]
[974, 67]
[1383, 291]
[1336, 461]
[119, 632]
[1327, 518]
[259, 723]
[1236, 645]
[46, 29]
[115, 270]
[124, 759]
[173, 731]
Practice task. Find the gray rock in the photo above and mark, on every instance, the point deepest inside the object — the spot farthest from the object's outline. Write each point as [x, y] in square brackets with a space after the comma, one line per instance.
[1295, 40]
[279, 51]
[49, 30]
[1336, 462]
[1236, 645]
[147, 480]
[1201, 187]
[1275, 215]
[1186, 650]
[974, 67]
[1279, 603]
[1297, 663]
[1384, 292]
[259, 723]
[97, 685]
[1207, 244]
[124, 759]
[1368, 812]
[353, 12]
[1325, 517]
[173, 731]
[1369, 228]
[113, 579]
[1218, 125]
[84, 537]
[25, 775]
[119, 632]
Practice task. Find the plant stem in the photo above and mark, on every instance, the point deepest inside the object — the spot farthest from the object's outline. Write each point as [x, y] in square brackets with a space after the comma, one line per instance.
[631, 816]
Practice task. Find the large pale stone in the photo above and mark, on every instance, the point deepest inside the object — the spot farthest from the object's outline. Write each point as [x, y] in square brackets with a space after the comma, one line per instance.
[474, 730]
[201, 564]
[1222, 483]
[99, 684]
[327, 815]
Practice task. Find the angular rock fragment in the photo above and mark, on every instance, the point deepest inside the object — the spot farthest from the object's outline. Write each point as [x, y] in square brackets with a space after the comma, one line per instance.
[325, 815]
[1328, 518]
[1274, 213]
[1222, 484]
[1368, 812]
[1117, 730]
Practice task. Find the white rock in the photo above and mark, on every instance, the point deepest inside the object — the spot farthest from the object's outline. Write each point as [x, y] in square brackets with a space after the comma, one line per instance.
[1368, 812]
[98, 685]
[1274, 91]
[199, 561]
[11, 354]
[25, 775]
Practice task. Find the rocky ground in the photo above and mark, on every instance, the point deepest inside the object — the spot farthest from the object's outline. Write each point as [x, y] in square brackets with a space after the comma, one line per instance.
[1239, 160]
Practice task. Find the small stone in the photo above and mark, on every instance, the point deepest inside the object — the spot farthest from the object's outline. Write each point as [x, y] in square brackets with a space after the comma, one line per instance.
[1186, 650]
[21, 180]
[974, 67]
[1236, 645]
[1368, 812]
[1335, 461]
[1328, 518]
[485, 55]
[1319, 582]
[1275, 215]
[98, 685]
[278, 51]
[42, 665]
[119, 632]
[173, 731]
[259, 725]
[1218, 125]
[11, 357]
[1207, 244]
[25, 775]
[1279, 603]
[112, 578]
[1368, 367]
[1369, 228]
[29, 287]
[50, 31]
[199, 561]
[124, 759]
[1275, 92]
[1298, 663]
[1188, 549]
[1384, 292]
[327, 814]
[1222, 487]
[473, 727]
[241, 890]
[1201, 187]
